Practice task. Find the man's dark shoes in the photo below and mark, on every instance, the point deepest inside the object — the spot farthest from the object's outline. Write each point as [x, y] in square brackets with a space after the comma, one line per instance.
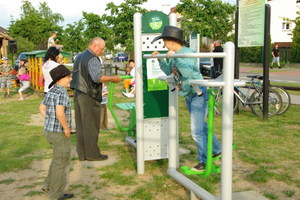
[66, 196]
[100, 158]
[45, 190]
[279, 67]
[200, 167]
[271, 67]
[216, 155]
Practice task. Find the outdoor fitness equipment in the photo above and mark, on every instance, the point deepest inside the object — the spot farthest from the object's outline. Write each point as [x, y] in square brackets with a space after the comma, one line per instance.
[157, 109]
[226, 81]
[209, 167]
[125, 106]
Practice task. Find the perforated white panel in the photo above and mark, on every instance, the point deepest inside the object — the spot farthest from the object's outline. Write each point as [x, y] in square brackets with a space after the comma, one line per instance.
[156, 138]
[156, 46]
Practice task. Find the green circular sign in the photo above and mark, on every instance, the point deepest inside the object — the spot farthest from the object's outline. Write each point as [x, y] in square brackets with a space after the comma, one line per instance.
[155, 22]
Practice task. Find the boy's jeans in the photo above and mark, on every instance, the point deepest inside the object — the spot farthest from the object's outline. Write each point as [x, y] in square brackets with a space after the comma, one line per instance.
[198, 110]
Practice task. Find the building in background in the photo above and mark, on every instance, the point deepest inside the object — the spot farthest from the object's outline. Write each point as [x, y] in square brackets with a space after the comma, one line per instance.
[3, 42]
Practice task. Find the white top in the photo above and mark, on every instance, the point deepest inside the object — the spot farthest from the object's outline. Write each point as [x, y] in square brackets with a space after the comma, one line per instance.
[132, 73]
[50, 42]
[46, 68]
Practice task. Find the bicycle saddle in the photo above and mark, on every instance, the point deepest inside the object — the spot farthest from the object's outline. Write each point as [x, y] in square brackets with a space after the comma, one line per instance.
[256, 76]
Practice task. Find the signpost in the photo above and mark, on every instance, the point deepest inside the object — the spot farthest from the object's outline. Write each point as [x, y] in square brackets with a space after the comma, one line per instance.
[254, 30]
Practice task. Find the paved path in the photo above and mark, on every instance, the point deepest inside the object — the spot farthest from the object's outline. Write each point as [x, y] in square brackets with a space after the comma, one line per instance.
[285, 71]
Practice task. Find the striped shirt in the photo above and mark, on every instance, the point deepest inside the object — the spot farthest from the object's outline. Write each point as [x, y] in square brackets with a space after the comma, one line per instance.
[57, 96]
[94, 66]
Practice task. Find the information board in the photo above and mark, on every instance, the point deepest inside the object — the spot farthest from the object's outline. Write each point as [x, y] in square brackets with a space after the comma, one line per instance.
[251, 23]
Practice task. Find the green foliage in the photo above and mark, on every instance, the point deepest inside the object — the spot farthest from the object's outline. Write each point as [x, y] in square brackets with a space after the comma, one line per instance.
[251, 54]
[270, 195]
[24, 45]
[210, 18]
[295, 47]
[33, 193]
[289, 193]
[121, 21]
[7, 181]
[35, 25]
[74, 38]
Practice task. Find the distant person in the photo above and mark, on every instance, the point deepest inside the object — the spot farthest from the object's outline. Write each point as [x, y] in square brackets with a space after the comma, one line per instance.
[275, 56]
[217, 67]
[130, 82]
[52, 59]
[184, 70]
[87, 86]
[103, 116]
[23, 62]
[56, 109]
[52, 43]
[6, 73]
[24, 78]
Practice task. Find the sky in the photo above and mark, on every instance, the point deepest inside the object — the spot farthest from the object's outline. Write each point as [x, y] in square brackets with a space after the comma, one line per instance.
[72, 10]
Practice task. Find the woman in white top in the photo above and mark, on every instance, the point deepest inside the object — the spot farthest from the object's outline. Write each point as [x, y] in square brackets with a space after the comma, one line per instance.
[52, 59]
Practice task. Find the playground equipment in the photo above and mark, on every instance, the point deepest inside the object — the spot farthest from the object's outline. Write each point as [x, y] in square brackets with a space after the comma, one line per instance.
[35, 61]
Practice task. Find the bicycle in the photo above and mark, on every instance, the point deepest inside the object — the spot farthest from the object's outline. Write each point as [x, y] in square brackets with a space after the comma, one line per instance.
[285, 96]
[255, 101]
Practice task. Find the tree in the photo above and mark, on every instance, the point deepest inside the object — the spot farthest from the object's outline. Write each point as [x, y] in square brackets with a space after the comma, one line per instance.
[36, 25]
[24, 45]
[121, 21]
[211, 18]
[295, 46]
[74, 37]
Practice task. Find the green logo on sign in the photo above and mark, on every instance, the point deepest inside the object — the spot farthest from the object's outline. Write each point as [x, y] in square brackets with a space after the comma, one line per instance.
[155, 22]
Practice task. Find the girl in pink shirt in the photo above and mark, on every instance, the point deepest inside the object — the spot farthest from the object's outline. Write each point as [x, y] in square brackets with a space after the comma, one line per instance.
[24, 81]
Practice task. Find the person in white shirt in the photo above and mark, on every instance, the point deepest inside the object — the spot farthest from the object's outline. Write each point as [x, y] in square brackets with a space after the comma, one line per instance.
[52, 59]
[52, 43]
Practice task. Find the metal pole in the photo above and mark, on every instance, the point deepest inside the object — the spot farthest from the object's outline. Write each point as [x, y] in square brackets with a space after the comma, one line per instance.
[174, 97]
[266, 62]
[227, 123]
[137, 19]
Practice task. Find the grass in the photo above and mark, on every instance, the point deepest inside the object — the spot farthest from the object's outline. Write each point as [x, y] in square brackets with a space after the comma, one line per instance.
[267, 150]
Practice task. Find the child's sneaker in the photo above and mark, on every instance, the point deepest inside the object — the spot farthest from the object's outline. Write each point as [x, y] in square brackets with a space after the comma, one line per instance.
[4, 95]
[8, 96]
[200, 167]
[130, 95]
[21, 99]
[125, 94]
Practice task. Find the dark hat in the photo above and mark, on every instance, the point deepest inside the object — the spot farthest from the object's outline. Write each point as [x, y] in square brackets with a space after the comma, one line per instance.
[59, 72]
[171, 32]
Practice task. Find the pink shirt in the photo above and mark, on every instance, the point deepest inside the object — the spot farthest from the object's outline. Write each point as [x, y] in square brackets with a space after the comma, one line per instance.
[24, 77]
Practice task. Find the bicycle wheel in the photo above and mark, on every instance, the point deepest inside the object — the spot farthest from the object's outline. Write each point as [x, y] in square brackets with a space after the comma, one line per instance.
[219, 103]
[286, 98]
[256, 102]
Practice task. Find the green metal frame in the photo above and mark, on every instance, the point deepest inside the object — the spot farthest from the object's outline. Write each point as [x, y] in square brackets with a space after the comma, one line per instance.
[209, 167]
[132, 122]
